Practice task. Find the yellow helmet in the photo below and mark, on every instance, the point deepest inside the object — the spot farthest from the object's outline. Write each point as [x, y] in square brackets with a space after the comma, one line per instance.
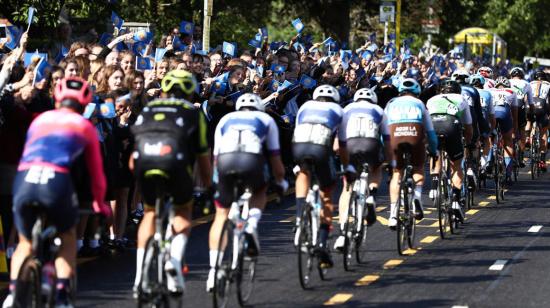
[181, 78]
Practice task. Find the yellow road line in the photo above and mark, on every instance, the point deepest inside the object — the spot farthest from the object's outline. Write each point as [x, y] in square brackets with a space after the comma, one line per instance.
[435, 224]
[427, 212]
[382, 220]
[289, 219]
[411, 251]
[429, 239]
[484, 203]
[493, 197]
[381, 208]
[202, 220]
[430, 208]
[366, 280]
[338, 299]
[472, 212]
[392, 263]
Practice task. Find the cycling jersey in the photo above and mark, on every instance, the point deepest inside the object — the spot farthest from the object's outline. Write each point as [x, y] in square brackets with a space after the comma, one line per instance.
[246, 132]
[55, 140]
[540, 101]
[486, 100]
[540, 89]
[523, 91]
[503, 100]
[489, 84]
[479, 125]
[450, 104]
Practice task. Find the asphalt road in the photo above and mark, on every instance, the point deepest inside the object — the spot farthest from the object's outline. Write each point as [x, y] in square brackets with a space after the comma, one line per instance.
[499, 258]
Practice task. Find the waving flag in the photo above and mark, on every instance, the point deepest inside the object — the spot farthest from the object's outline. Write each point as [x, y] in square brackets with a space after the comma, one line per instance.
[283, 86]
[30, 57]
[263, 32]
[178, 44]
[116, 20]
[13, 34]
[143, 63]
[62, 54]
[229, 49]
[40, 71]
[187, 27]
[30, 16]
[159, 54]
[298, 25]
[143, 36]
[308, 82]
[220, 83]
[255, 44]
[139, 49]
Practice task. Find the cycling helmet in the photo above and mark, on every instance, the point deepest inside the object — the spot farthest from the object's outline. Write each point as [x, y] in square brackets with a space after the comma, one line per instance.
[326, 91]
[180, 78]
[409, 85]
[250, 100]
[74, 89]
[450, 86]
[461, 76]
[477, 80]
[502, 81]
[365, 94]
[517, 72]
[540, 75]
[485, 71]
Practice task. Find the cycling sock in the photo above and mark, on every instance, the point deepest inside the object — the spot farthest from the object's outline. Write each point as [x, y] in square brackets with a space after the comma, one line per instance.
[508, 163]
[456, 194]
[435, 181]
[177, 247]
[254, 216]
[62, 288]
[373, 191]
[93, 243]
[418, 192]
[79, 244]
[299, 204]
[213, 257]
[323, 234]
[139, 264]
[393, 210]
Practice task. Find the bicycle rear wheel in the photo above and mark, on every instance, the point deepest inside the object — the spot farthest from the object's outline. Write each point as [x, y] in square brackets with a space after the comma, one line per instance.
[401, 226]
[442, 214]
[411, 225]
[361, 238]
[245, 275]
[226, 263]
[152, 292]
[305, 250]
[28, 291]
[349, 229]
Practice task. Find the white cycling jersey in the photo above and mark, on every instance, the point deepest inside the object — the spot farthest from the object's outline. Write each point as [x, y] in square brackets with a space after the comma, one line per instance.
[363, 120]
[504, 97]
[523, 90]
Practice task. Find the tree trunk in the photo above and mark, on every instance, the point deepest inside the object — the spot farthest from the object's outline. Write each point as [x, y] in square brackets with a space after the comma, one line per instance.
[334, 18]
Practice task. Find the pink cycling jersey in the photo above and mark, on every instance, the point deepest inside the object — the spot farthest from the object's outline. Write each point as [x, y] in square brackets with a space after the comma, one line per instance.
[56, 138]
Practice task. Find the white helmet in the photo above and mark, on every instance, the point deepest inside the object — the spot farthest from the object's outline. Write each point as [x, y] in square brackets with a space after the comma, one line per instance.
[365, 94]
[327, 91]
[250, 100]
[461, 75]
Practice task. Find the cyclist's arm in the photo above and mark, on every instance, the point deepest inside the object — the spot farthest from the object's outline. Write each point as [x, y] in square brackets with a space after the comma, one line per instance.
[385, 132]
[529, 96]
[274, 150]
[428, 126]
[94, 163]
[491, 109]
[514, 105]
[467, 122]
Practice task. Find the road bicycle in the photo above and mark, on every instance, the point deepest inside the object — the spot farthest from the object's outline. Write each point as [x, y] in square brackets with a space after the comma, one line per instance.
[406, 223]
[233, 264]
[446, 217]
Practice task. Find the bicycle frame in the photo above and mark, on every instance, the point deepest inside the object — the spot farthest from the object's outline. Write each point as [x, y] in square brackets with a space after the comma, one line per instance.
[238, 215]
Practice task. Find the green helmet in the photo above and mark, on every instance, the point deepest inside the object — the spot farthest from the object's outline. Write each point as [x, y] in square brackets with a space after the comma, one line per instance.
[184, 80]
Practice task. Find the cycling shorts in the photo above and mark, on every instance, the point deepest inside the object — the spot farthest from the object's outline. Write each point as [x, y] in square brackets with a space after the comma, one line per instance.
[56, 196]
[408, 133]
[476, 131]
[365, 150]
[250, 169]
[321, 158]
[503, 117]
[540, 115]
[522, 117]
[449, 135]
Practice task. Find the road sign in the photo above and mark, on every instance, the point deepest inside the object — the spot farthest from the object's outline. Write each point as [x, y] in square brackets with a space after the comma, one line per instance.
[430, 28]
[387, 11]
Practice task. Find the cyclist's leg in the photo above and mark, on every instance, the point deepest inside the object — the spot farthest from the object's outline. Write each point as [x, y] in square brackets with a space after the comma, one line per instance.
[146, 227]
[303, 177]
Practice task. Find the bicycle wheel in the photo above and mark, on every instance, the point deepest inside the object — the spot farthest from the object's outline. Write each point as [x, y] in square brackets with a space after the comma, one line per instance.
[361, 238]
[401, 226]
[305, 249]
[226, 263]
[245, 274]
[442, 214]
[470, 199]
[349, 230]
[28, 292]
[496, 175]
[152, 292]
[410, 224]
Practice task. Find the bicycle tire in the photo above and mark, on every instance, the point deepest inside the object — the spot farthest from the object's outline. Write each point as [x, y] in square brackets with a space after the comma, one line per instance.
[348, 233]
[497, 172]
[361, 240]
[305, 250]
[245, 276]
[411, 225]
[400, 228]
[152, 292]
[28, 290]
[471, 199]
[442, 214]
[223, 269]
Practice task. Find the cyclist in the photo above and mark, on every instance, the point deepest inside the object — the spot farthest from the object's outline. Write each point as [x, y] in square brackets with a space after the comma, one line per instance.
[541, 88]
[480, 126]
[409, 122]
[240, 141]
[316, 124]
[506, 114]
[364, 127]
[487, 73]
[170, 135]
[450, 114]
[55, 140]
[486, 100]
[524, 95]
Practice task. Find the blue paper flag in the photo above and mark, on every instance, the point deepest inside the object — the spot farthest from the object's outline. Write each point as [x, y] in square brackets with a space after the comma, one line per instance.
[40, 70]
[116, 20]
[30, 16]
[308, 82]
[220, 83]
[61, 54]
[255, 43]
[263, 31]
[13, 34]
[298, 25]
[107, 110]
[258, 37]
[178, 44]
[105, 38]
[277, 68]
[345, 55]
[229, 49]
[284, 85]
[187, 27]
[89, 111]
[29, 57]
[159, 54]
[143, 36]
[367, 55]
[139, 48]
[143, 63]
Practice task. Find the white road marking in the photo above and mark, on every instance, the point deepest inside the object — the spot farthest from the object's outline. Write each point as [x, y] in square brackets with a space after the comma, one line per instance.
[535, 229]
[459, 306]
[498, 265]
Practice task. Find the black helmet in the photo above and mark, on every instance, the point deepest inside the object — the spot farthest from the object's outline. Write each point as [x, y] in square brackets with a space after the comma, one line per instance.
[540, 75]
[448, 86]
[517, 72]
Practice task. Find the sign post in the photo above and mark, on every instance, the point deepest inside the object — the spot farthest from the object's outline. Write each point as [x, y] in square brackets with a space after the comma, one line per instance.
[387, 15]
[208, 4]
[398, 27]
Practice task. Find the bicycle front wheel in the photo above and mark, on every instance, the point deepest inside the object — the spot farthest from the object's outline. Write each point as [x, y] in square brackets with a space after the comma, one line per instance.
[442, 214]
[361, 237]
[401, 230]
[305, 250]
[245, 274]
[226, 263]
[28, 291]
[152, 292]
[349, 229]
